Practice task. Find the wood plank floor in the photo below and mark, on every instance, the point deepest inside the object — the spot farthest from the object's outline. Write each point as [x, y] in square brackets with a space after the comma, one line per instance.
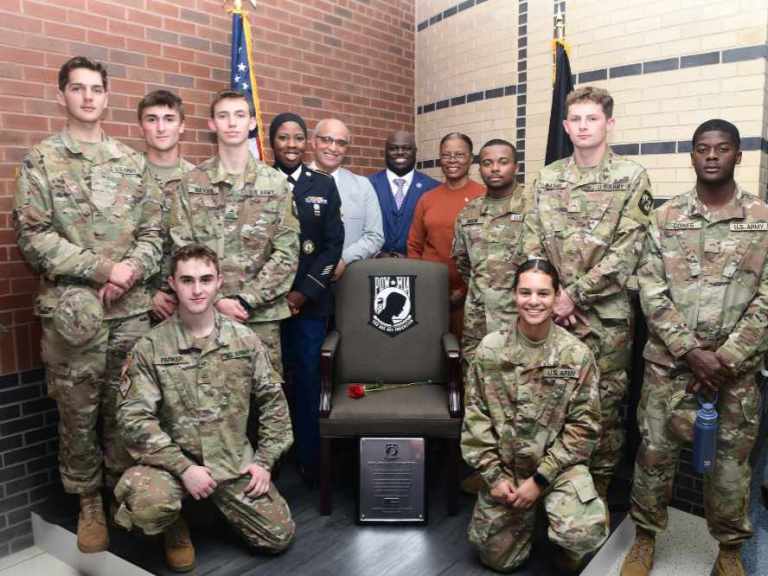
[325, 545]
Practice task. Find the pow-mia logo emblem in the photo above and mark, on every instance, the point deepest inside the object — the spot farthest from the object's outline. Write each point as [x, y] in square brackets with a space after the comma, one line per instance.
[391, 451]
[646, 203]
[393, 303]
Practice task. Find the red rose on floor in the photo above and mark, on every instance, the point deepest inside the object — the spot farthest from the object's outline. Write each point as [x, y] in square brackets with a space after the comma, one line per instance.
[355, 391]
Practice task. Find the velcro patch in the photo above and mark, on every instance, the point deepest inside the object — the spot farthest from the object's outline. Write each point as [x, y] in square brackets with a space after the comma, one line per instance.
[645, 203]
[749, 226]
[169, 360]
[516, 217]
[559, 373]
[682, 226]
[236, 354]
[125, 171]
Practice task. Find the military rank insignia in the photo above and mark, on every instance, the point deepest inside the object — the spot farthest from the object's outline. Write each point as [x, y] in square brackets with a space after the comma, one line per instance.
[308, 247]
[393, 303]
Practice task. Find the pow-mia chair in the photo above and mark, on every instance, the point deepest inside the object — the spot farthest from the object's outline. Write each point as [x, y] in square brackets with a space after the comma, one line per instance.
[391, 328]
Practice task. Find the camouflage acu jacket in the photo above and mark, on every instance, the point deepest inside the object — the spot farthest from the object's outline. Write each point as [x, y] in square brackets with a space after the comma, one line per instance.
[164, 181]
[253, 229]
[703, 280]
[591, 225]
[80, 210]
[182, 405]
[488, 248]
[530, 409]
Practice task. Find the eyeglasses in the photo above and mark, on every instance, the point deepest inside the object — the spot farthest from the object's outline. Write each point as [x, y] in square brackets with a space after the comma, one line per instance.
[458, 156]
[328, 140]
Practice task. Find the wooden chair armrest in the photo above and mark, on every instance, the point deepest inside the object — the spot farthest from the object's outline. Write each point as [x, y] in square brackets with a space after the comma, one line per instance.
[327, 355]
[453, 357]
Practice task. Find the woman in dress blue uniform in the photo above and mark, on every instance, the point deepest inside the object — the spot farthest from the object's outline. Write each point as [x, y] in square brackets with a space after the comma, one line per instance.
[318, 207]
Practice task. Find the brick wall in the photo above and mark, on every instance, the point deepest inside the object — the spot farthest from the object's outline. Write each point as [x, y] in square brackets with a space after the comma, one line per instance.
[353, 59]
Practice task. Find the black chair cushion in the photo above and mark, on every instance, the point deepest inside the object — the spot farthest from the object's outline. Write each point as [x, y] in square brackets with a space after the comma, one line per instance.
[420, 410]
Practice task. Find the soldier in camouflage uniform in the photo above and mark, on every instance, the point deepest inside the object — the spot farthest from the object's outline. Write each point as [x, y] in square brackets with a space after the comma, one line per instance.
[704, 291]
[590, 213]
[531, 423]
[487, 246]
[243, 210]
[161, 121]
[183, 412]
[89, 223]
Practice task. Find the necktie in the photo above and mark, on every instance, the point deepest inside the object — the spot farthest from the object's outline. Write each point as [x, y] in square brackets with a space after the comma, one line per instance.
[399, 193]
[291, 181]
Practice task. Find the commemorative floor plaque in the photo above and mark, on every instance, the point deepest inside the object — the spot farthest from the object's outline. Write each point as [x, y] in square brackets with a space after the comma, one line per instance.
[391, 480]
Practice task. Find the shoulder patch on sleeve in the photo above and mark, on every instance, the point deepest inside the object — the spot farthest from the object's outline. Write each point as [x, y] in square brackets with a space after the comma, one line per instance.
[645, 204]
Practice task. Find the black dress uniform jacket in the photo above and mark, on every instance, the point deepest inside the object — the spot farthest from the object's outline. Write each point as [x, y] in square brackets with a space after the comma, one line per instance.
[321, 237]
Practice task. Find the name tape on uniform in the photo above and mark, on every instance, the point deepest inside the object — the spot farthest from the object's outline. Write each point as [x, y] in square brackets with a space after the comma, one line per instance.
[749, 226]
[559, 373]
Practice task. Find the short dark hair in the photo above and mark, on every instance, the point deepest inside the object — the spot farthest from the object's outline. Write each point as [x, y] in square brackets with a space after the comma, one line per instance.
[161, 98]
[592, 94]
[718, 125]
[232, 95]
[501, 142]
[194, 251]
[541, 265]
[80, 62]
[458, 136]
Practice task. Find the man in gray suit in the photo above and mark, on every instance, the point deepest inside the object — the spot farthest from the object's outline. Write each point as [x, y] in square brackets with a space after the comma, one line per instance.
[360, 212]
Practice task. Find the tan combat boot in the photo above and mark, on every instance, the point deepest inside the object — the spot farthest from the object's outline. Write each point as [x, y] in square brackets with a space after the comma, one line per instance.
[92, 535]
[179, 552]
[728, 561]
[639, 560]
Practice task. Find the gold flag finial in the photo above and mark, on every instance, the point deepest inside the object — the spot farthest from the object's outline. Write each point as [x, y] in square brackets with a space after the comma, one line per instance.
[237, 5]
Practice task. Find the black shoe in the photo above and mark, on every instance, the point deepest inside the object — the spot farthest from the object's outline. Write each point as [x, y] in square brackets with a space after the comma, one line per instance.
[309, 476]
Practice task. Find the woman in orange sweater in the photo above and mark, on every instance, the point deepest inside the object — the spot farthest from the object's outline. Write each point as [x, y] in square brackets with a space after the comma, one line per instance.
[431, 233]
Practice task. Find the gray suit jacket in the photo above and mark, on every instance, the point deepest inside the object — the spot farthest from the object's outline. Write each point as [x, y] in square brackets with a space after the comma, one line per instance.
[360, 212]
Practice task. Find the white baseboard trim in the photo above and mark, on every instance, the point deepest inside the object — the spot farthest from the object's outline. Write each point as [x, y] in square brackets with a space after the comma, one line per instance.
[62, 544]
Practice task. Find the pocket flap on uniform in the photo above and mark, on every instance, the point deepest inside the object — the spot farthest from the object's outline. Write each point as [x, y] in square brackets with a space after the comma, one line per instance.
[750, 406]
[585, 489]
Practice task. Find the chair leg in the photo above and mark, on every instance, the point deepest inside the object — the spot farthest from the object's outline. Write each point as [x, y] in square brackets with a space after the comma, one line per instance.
[453, 455]
[325, 476]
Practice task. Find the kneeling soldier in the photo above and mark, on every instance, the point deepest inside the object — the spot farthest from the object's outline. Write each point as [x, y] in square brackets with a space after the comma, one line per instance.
[532, 422]
[186, 390]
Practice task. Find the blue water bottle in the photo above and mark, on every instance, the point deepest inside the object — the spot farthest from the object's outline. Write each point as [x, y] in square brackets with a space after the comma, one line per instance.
[705, 436]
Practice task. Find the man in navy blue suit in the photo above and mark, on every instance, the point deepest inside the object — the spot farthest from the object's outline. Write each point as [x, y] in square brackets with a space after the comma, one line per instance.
[317, 204]
[399, 188]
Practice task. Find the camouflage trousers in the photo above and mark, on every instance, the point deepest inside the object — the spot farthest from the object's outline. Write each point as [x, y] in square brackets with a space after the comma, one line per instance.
[269, 334]
[611, 344]
[577, 522]
[150, 499]
[84, 381]
[666, 416]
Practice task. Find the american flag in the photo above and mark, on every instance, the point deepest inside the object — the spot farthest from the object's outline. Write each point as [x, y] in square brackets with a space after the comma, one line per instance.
[243, 77]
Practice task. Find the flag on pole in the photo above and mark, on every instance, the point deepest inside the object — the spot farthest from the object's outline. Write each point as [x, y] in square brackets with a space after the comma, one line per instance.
[558, 143]
[243, 78]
